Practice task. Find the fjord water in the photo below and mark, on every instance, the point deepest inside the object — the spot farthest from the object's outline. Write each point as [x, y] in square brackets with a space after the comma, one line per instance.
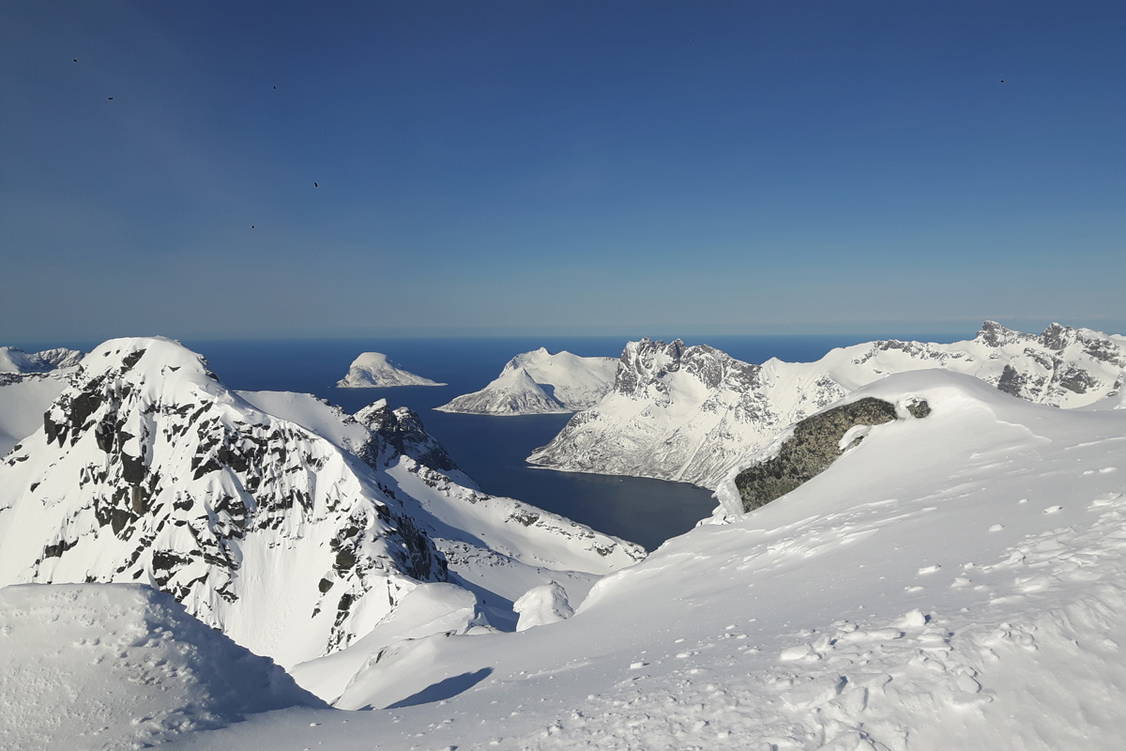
[492, 449]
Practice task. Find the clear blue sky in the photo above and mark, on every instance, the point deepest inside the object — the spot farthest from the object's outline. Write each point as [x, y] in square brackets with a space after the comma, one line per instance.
[567, 167]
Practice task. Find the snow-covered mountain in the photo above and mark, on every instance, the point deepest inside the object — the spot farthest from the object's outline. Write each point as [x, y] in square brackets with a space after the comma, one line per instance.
[293, 527]
[951, 582]
[694, 413]
[14, 360]
[539, 382]
[373, 369]
[112, 666]
[28, 383]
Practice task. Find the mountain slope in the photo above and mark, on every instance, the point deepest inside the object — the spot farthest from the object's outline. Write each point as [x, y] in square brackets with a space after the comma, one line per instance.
[147, 470]
[539, 382]
[373, 369]
[950, 582]
[122, 666]
[14, 360]
[28, 383]
[513, 392]
[694, 413]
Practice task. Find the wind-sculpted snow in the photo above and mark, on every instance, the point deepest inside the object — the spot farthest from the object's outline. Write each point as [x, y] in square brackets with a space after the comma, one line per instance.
[122, 666]
[696, 413]
[373, 369]
[539, 382]
[146, 469]
[952, 582]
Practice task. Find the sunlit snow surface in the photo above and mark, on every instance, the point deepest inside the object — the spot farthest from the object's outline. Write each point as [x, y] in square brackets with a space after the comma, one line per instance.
[953, 582]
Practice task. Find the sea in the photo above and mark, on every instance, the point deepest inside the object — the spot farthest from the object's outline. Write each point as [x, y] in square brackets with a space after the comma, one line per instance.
[492, 450]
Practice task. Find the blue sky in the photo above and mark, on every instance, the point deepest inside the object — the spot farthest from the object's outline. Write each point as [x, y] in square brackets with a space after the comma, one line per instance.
[564, 168]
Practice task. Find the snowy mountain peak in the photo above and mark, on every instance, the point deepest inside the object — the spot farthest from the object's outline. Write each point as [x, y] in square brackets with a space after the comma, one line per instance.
[15, 360]
[538, 382]
[374, 369]
[148, 470]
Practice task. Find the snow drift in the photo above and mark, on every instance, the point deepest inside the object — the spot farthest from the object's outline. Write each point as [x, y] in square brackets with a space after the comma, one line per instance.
[121, 665]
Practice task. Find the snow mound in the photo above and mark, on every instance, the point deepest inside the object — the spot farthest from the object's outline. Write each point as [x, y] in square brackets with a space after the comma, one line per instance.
[539, 382]
[542, 605]
[373, 369]
[349, 679]
[121, 665]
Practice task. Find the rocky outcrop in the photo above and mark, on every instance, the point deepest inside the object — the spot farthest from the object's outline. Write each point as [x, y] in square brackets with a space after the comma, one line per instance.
[813, 445]
[400, 431]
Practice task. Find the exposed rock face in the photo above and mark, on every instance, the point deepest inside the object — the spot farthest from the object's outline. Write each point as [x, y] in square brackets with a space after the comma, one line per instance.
[401, 432]
[148, 470]
[814, 444]
[696, 413]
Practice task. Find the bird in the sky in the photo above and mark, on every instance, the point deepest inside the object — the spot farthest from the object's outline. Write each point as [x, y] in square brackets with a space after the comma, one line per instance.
[316, 184]
[109, 99]
[75, 60]
[252, 226]
[1002, 80]
[275, 87]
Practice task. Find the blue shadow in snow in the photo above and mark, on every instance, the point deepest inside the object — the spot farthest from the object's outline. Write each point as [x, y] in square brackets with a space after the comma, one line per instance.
[444, 689]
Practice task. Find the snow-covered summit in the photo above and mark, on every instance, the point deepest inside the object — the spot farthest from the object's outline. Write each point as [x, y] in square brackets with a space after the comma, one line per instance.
[539, 382]
[693, 413]
[147, 469]
[122, 666]
[14, 360]
[513, 392]
[373, 369]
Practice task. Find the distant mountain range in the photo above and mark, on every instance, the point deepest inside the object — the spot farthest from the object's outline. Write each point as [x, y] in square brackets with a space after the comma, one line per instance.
[695, 413]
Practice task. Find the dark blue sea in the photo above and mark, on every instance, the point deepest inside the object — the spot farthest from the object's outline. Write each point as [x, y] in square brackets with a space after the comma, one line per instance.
[492, 449]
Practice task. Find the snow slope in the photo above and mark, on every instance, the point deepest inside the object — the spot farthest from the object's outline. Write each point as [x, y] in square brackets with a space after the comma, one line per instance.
[952, 582]
[694, 413]
[121, 666]
[373, 369]
[539, 382]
